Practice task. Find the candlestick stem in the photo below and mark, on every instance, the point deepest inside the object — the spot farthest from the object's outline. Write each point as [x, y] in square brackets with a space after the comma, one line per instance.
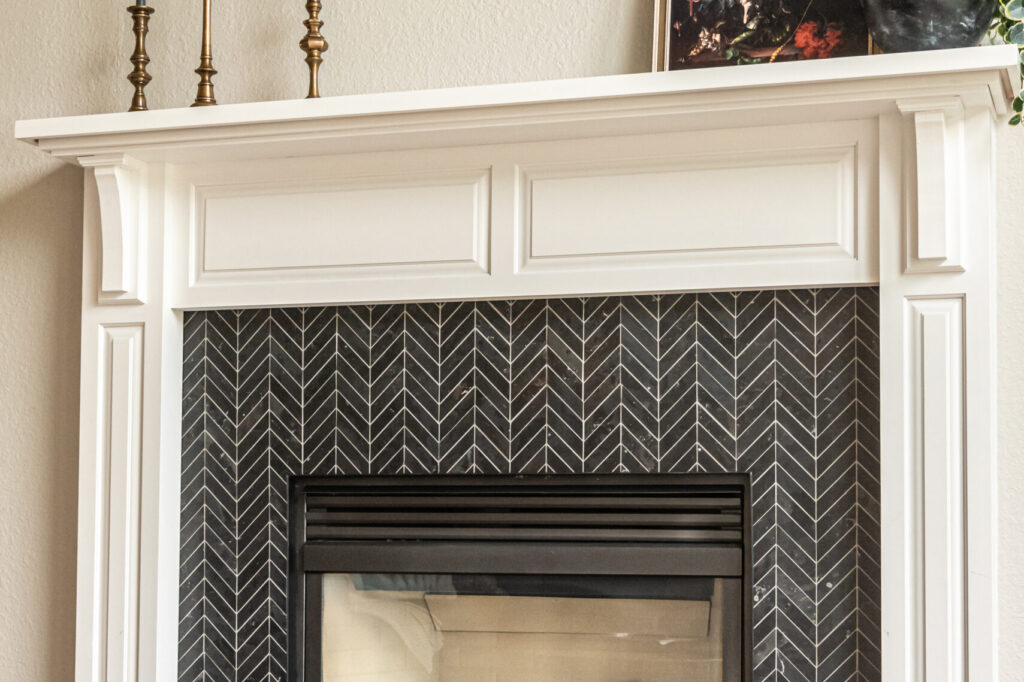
[139, 77]
[314, 45]
[204, 95]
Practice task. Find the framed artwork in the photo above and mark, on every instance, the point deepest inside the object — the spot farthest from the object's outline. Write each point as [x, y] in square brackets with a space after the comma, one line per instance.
[691, 34]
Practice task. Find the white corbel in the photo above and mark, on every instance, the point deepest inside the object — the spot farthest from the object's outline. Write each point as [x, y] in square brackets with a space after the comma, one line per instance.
[121, 198]
[934, 185]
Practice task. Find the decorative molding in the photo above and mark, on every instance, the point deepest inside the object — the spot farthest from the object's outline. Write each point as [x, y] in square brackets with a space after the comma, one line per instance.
[405, 225]
[629, 212]
[934, 168]
[921, 124]
[559, 109]
[109, 580]
[935, 411]
[120, 184]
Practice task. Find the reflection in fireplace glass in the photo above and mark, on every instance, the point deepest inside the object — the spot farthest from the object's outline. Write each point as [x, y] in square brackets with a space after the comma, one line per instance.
[524, 628]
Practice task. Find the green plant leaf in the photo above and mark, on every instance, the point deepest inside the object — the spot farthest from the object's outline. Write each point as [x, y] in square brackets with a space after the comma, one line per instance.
[1018, 104]
[1014, 120]
[1015, 34]
[1014, 9]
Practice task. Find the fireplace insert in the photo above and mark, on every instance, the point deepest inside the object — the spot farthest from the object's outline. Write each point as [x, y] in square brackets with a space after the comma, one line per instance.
[618, 578]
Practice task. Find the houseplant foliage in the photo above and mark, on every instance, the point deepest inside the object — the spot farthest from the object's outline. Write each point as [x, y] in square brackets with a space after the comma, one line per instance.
[1009, 24]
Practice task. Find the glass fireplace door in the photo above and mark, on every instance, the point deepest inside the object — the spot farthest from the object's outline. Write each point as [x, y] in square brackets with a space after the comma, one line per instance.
[411, 627]
[603, 578]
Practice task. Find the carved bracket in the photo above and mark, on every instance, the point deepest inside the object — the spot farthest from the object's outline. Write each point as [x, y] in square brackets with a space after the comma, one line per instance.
[934, 185]
[120, 184]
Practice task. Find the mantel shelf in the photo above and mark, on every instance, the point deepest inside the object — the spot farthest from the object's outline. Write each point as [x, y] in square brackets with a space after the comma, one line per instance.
[649, 102]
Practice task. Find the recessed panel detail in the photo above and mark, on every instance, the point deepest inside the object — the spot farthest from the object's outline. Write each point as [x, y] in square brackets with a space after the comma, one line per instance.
[397, 226]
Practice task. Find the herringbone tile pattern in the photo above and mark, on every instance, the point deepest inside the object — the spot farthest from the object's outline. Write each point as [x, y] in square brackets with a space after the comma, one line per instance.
[780, 384]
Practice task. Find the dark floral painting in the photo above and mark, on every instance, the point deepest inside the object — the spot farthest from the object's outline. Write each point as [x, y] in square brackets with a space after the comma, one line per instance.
[702, 33]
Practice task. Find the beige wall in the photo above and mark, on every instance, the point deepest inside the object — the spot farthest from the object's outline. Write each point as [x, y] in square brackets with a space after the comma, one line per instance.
[70, 58]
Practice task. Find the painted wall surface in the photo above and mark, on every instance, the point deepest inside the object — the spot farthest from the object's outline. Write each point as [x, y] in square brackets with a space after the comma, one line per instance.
[71, 58]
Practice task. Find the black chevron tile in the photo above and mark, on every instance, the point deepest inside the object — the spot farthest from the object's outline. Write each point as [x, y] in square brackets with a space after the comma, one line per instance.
[677, 349]
[352, 380]
[640, 374]
[755, 452]
[492, 382]
[602, 382]
[716, 382]
[529, 450]
[422, 385]
[868, 493]
[458, 451]
[319, 392]
[564, 394]
[783, 385]
[388, 451]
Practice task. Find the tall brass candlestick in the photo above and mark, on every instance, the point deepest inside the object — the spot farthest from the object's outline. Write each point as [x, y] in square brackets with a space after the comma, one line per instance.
[204, 96]
[139, 77]
[314, 45]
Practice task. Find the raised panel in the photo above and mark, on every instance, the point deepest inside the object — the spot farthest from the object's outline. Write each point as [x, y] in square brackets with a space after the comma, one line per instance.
[935, 410]
[775, 205]
[739, 201]
[434, 223]
[119, 429]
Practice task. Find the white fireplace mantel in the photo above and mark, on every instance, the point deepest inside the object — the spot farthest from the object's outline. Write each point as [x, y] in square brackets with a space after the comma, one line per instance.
[869, 170]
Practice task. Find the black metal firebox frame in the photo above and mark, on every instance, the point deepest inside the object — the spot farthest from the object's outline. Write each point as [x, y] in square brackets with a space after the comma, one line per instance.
[672, 525]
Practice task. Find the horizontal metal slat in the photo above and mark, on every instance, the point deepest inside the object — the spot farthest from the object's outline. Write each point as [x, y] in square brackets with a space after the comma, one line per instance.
[524, 558]
[525, 502]
[321, 532]
[565, 518]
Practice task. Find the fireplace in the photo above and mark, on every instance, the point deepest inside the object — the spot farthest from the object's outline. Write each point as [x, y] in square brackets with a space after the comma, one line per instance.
[778, 386]
[546, 221]
[539, 578]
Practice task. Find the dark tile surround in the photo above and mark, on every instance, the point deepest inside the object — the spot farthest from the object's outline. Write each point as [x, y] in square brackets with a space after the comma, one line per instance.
[781, 384]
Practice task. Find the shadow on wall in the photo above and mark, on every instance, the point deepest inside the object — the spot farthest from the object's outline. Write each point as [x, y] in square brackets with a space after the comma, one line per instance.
[40, 312]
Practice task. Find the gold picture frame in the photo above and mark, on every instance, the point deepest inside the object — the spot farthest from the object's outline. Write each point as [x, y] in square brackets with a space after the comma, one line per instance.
[659, 58]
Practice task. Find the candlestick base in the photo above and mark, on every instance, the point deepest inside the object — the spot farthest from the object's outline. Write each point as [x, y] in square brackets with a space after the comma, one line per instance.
[204, 95]
[139, 77]
[314, 45]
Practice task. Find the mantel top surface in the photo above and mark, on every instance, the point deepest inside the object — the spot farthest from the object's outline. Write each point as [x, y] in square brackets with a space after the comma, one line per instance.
[836, 81]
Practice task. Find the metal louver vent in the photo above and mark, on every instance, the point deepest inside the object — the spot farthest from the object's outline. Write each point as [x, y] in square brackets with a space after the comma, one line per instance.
[547, 510]
[525, 533]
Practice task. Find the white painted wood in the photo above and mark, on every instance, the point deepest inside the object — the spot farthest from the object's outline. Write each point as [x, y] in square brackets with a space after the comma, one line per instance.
[660, 217]
[429, 222]
[847, 171]
[937, 332]
[122, 204]
[129, 465]
[122, 444]
[980, 376]
[934, 184]
[939, 533]
[599, 215]
[984, 75]
[679, 207]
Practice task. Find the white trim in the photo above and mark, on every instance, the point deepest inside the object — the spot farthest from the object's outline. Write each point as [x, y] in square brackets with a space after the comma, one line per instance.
[903, 145]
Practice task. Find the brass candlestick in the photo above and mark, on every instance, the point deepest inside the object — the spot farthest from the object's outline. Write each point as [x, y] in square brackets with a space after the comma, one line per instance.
[139, 77]
[204, 96]
[314, 45]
